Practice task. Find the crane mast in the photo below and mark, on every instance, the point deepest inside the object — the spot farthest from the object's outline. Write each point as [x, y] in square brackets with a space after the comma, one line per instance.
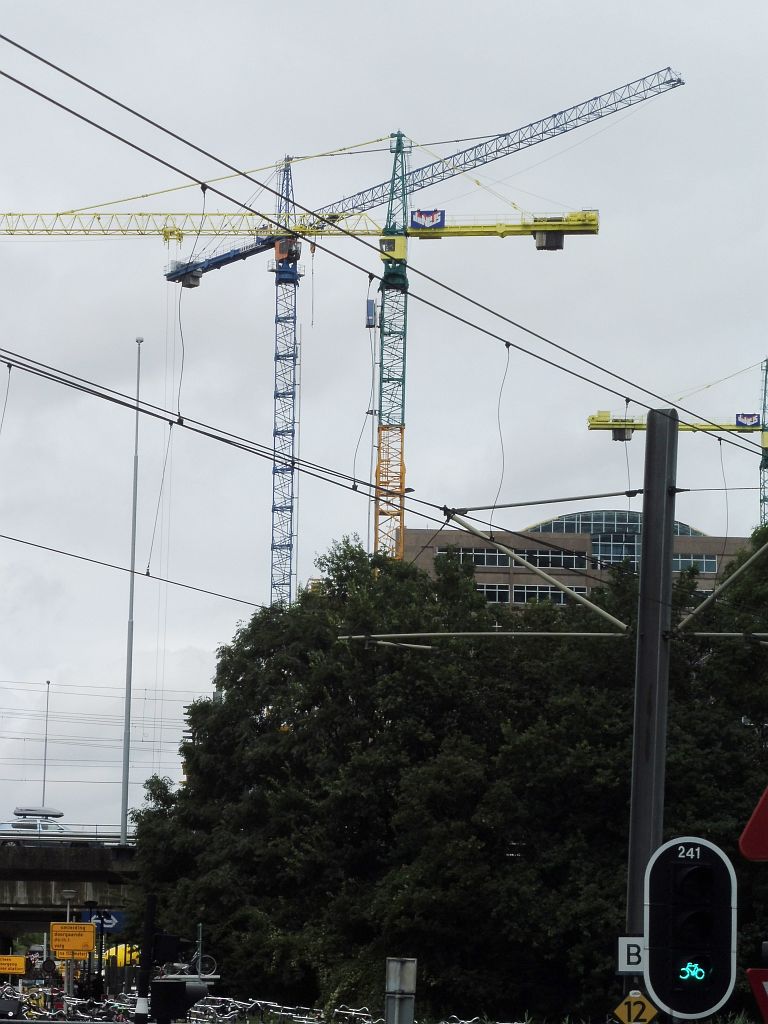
[288, 273]
[389, 512]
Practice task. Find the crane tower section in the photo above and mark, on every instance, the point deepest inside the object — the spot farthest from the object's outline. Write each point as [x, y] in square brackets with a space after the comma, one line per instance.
[389, 517]
[288, 273]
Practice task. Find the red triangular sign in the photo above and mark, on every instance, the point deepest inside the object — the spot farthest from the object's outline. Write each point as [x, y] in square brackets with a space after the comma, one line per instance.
[758, 980]
[753, 841]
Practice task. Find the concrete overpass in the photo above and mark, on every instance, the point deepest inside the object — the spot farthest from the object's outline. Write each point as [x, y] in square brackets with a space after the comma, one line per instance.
[34, 878]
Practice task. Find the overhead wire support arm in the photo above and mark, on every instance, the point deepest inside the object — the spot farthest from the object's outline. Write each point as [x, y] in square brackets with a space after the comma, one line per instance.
[556, 634]
[451, 515]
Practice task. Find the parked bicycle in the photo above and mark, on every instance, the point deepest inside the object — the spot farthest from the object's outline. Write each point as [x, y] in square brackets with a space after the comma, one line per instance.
[203, 966]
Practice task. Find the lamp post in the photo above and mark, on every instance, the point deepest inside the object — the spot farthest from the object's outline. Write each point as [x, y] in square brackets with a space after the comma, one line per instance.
[69, 895]
[90, 906]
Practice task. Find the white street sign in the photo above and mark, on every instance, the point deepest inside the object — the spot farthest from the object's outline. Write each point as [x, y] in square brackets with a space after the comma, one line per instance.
[631, 955]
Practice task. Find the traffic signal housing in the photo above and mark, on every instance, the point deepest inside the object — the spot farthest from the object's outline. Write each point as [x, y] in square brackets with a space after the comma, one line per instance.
[169, 1000]
[165, 948]
[690, 927]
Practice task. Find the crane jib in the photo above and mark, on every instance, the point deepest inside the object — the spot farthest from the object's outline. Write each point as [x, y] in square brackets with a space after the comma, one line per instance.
[511, 142]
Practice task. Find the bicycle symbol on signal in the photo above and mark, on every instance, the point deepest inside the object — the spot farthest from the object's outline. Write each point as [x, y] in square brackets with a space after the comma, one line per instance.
[692, 971]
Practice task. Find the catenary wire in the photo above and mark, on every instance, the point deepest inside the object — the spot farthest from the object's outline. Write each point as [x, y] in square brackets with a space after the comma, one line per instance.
[21, 684]
[313, 469]
[122, 568]
[600, 563]
[322, 473]
[462, 296]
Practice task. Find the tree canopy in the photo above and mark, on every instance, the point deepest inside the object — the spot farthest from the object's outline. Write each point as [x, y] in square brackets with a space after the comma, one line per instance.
[347, 801]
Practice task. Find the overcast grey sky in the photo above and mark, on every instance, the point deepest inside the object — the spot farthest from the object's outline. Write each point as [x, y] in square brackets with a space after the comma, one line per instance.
[670, 295]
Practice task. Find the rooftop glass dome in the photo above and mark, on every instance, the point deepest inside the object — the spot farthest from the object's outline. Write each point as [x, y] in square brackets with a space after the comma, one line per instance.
[601, 521]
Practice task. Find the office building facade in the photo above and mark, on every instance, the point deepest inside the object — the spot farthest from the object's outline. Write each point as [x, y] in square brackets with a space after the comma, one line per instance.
[578, 549]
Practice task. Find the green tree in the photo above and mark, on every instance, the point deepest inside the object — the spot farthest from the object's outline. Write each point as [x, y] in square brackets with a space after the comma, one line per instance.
[468, 805]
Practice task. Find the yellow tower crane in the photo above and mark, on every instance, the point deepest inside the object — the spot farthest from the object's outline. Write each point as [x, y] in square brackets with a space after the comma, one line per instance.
[622, 427]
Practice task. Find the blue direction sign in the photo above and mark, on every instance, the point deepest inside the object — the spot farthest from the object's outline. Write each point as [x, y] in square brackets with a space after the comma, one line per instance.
[111, 921]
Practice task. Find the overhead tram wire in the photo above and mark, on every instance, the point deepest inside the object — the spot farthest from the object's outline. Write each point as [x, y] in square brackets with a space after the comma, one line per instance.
[122, 568]
[324, 474]
[749, 446]
[263, 451]
[99, 688]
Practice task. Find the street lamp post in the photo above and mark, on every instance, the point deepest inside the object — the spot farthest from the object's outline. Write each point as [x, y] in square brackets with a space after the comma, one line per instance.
[99, 992]
[90, 906]
[69, 895]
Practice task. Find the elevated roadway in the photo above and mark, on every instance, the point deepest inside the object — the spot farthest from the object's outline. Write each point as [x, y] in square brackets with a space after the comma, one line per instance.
[34, 878]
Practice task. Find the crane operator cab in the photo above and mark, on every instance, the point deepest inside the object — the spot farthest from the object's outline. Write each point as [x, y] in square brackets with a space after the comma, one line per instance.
[288, 249]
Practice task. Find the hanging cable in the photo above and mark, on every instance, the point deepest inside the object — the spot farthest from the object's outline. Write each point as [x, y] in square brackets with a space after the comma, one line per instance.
[626, 456]
[725, 489]
[501, 438]
[704, 387]
[203, 189]
[429, 542]
[5, 400]
[312, 250]
[371, 391]
[159, 496]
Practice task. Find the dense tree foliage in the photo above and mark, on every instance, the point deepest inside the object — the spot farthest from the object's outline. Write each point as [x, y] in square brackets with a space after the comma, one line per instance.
[347, 801]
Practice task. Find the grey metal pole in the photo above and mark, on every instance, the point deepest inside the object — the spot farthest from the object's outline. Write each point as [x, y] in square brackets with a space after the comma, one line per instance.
[654, 619]
[45, 743]
[145, 961]
[129, 653]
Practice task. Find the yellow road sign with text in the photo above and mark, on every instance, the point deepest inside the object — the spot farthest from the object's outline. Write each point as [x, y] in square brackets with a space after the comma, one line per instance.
[12, 965]
[635, 1009]
[73, 937]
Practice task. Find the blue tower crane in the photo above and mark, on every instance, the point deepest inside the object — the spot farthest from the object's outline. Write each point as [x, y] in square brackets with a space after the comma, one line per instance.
[288, 273]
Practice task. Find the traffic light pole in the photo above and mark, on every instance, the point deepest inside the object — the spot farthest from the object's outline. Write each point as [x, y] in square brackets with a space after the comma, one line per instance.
[654, 619]
[145, 961]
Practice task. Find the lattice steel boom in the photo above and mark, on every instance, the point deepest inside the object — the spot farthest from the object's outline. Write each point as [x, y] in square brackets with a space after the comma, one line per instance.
[287, 273]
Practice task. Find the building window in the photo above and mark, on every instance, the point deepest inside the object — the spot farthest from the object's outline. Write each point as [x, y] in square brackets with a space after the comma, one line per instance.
[604, 521]
[545, 559]
[704, 563]
[480, 556]
[493, 559]
[525, 594]
[617, 547]
[494, 593]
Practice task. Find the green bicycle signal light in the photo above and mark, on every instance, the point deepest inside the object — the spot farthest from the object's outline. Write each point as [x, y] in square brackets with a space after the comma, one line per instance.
[690, 928]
